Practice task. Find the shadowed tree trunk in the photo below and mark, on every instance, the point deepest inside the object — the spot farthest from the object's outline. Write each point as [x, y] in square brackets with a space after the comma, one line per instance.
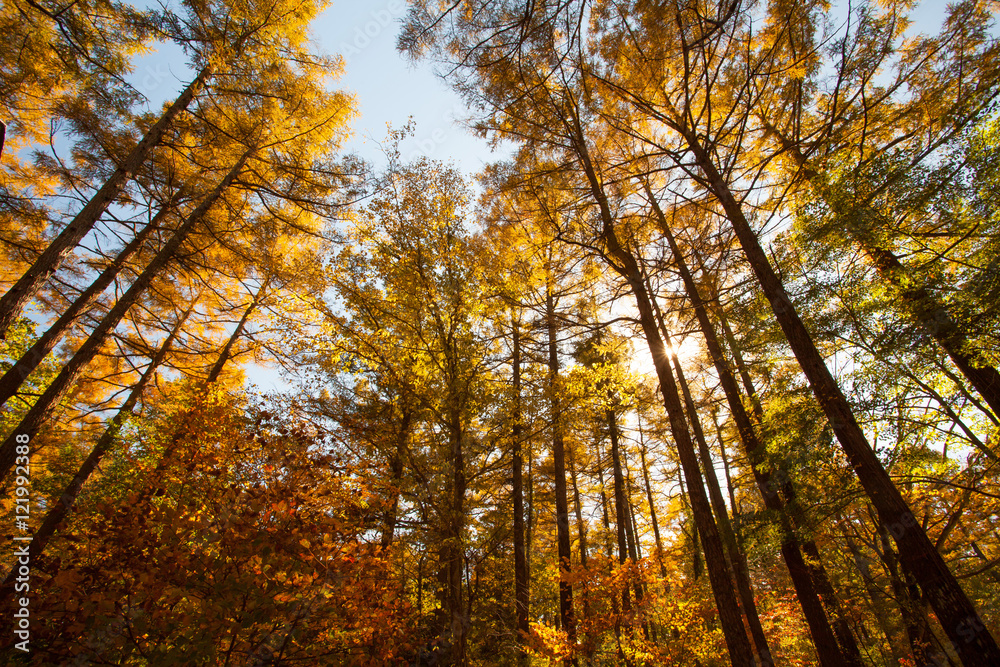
[621, 513]
[389, 518]
[559, 460]
[520, 562]
[649, 499]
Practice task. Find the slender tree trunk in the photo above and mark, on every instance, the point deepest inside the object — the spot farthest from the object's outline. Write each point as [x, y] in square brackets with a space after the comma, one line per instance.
[621, 513]
[43, 408]
[58, 512]
[730, 489]
[819, 626]
[581, 530]
[559, 461]
[605, 516]
[696, 567]
[227, 352]
[608, 545]
[529, 524]
[19, 372]
[456, 552]
[727, 603]
[389, 518]
[634, 548]
[18, 296]
[958, 616]
[652, 507]
[736, 558]
[520, 562]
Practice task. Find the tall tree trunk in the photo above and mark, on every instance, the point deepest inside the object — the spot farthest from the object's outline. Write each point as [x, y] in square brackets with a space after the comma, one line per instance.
[817, 571]
[389, 518]
[559, 461]
[454, 542]
[621, 513]
[726, 600]
[649, 499]
[58, 512]
[822, 633]
[737, 559]
[19, 372]
[18, 296]
[634, 548]
[581, 530]
[696, 567]
[605, 515]
[520, 563]
[916, 301]
[730, 489]
[42, 410]
[954, 609]
[529, 523]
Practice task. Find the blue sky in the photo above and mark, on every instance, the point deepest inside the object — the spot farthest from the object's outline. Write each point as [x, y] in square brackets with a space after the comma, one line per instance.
[389, 88]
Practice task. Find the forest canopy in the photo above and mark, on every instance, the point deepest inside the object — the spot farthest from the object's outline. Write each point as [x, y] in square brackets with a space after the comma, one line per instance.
[702, 371]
